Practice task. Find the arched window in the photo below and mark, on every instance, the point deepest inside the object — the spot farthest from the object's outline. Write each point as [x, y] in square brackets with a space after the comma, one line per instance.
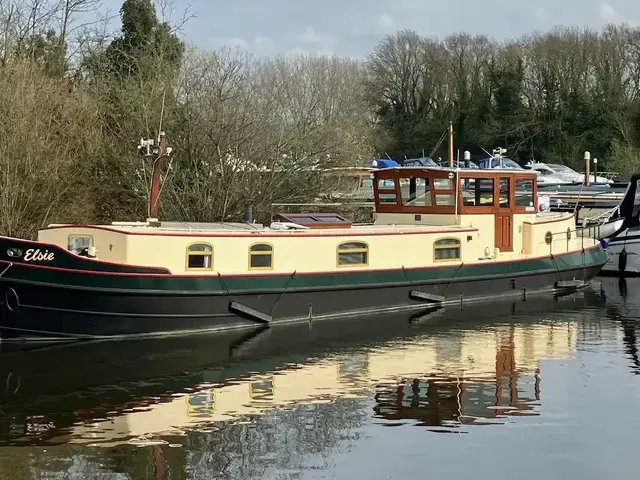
[200, 256]
[353, 254]
[446, 249]
[260, 256]
[262, 388]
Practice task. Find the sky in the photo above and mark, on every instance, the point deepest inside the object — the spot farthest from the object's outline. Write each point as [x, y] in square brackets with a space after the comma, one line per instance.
[354, 27]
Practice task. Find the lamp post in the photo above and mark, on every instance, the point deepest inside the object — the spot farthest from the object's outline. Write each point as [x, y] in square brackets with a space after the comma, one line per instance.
[587, 165]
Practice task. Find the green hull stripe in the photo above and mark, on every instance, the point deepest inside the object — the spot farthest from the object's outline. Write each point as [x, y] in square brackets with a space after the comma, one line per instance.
[590, 258]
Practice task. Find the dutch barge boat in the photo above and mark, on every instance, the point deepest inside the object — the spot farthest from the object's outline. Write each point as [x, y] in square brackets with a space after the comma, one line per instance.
[454, 235]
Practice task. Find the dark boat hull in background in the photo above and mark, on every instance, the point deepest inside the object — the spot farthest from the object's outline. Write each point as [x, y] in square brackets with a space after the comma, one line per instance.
[90, 299]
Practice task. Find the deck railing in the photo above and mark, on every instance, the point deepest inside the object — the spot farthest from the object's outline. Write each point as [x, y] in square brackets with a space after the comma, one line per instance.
[569, 233]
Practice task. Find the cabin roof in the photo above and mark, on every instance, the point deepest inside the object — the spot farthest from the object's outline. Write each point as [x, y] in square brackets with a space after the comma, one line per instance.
[216, 229]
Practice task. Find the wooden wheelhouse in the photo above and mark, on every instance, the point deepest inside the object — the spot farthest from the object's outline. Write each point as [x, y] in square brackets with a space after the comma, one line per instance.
[422, 193]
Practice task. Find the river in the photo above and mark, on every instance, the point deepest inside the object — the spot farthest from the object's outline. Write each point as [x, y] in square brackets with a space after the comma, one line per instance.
[545, 387]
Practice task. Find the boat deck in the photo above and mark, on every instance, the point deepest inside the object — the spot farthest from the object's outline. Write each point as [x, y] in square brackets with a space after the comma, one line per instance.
[176, 228]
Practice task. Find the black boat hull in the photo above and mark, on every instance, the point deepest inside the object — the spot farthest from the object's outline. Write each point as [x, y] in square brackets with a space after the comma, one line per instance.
[32, 311]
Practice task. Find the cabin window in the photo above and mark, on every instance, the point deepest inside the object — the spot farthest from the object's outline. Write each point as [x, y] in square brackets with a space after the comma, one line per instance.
[479, 193]
[446, 249]
[445, 199]
[505, 192]
[524, 192]
[77, 243]
[351, 254]
[199, 256]
[262, 388]
[416, 192]
[443, 183]
[260, 256]
[387, 198]
[386, 183]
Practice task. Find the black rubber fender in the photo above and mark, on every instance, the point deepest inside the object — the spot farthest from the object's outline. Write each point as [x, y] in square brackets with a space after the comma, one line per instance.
[622, 260]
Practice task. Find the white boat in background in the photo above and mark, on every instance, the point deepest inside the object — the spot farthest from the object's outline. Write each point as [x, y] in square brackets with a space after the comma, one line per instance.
[567, 174]
[497, 160]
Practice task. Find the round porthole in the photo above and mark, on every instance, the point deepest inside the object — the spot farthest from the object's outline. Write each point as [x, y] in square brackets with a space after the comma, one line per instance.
[547, 238]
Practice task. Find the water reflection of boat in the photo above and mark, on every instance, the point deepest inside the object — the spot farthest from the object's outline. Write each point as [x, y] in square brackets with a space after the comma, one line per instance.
[622, 299]
[107, 393]
[487, 370]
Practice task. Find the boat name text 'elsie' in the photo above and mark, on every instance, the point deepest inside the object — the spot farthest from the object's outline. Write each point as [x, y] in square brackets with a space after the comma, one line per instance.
[38, 256]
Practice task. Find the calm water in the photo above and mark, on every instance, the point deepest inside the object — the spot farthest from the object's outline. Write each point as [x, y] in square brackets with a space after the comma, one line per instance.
[544, 388]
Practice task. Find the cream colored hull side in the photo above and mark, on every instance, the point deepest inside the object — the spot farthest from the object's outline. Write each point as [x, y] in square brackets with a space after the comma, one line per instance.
[388, 247]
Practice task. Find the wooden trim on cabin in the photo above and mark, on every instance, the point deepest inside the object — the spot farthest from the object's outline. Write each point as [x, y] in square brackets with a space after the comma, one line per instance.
[259, 253]
[456, 177]
[495, 207]
[341, 250]
[202, 253]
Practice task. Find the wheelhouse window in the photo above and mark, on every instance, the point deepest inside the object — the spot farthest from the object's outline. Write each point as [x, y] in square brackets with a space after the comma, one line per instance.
[505, 193]
[200, 256]
[478, 193]
[524, 192]
[261, 256]
[353, 254]
[78, 243]
[443, 183]
[384, 183]
[445, 199]
[446, 249]
[416, 192]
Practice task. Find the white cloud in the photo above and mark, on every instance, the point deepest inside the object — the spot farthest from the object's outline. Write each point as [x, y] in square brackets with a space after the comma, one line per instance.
[311, 36]
[264, 46]
[608, 13]
[541, 15]
[325, 53]
[310, 53]
[259, 45]
[229, 42]
[386, 21]
[296, 51]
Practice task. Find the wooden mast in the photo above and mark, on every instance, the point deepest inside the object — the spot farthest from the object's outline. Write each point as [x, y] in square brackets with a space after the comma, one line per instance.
[161, 152]
[158, 167]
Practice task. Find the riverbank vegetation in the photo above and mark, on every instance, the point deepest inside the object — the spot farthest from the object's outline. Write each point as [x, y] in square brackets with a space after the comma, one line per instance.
[75, 100]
